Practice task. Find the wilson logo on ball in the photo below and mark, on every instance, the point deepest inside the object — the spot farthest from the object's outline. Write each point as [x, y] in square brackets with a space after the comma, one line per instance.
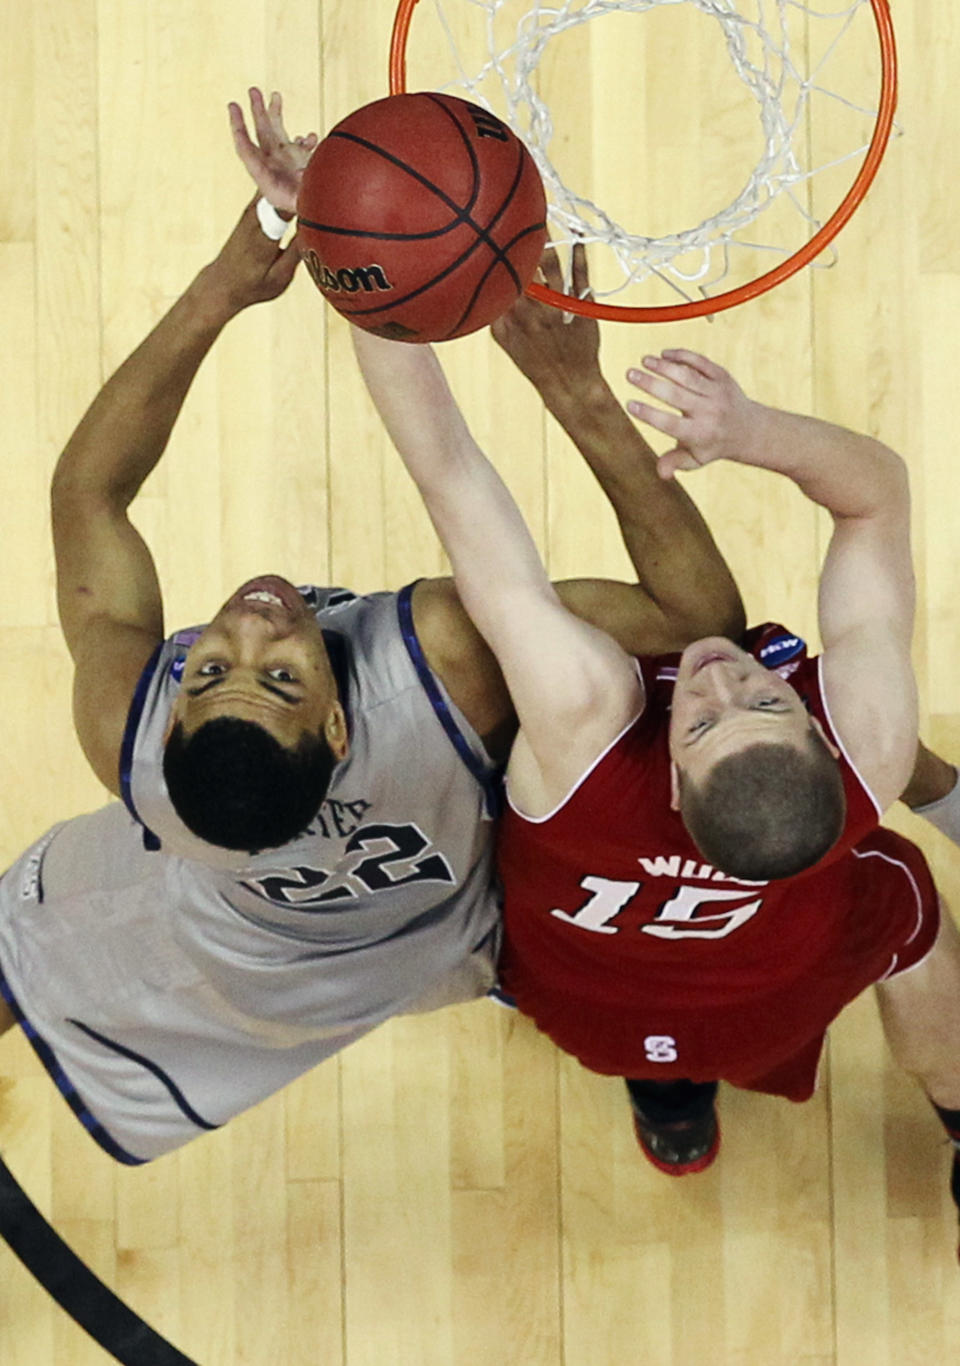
[349, 280]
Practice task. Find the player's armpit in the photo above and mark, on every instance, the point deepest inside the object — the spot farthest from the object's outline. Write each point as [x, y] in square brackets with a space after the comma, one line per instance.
[932, 779]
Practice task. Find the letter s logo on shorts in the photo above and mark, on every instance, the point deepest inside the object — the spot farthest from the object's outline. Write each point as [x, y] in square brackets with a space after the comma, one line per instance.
[660, 1048]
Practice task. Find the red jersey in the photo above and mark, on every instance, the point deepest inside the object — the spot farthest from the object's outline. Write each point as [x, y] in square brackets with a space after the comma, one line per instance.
[644, 961]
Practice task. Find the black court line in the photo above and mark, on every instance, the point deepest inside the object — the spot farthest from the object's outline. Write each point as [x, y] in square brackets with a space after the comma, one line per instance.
[91, 1305]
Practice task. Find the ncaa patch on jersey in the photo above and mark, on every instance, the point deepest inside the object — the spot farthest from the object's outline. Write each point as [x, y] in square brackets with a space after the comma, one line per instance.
[780, 649]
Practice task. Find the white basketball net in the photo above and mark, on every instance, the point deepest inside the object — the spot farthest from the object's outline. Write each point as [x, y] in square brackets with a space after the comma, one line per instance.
[775, 67]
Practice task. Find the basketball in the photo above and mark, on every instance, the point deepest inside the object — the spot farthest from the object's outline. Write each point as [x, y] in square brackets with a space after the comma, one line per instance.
[421, 217]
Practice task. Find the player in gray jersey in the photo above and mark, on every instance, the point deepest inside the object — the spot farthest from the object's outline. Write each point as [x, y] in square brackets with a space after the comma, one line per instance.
[327, 861]
[167, 984]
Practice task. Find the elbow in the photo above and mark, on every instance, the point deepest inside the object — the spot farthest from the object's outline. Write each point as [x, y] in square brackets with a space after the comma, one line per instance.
[68, 496]
[878, 490]
[75, 491]
[902, 478]
[75, 509]
[893, 481]
[69, 484]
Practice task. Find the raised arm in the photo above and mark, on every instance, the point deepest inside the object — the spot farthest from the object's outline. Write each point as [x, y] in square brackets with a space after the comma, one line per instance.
[866, 602]
[107, 590]
[684, 589]
[573, 687]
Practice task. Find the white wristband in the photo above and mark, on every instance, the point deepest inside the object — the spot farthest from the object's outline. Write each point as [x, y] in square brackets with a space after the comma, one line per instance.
[270, 221]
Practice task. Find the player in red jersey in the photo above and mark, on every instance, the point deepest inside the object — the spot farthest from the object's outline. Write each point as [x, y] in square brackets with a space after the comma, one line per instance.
[694, 881]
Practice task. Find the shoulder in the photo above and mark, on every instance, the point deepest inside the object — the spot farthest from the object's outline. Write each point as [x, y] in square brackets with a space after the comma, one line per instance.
[550, 763]
[620, 780]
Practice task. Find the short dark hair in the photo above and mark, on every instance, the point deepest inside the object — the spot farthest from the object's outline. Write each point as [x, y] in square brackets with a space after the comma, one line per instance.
[233, 784]
[769, 811]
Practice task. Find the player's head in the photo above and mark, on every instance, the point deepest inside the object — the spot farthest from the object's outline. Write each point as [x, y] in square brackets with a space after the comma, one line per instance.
[755, 780]
[258, 725]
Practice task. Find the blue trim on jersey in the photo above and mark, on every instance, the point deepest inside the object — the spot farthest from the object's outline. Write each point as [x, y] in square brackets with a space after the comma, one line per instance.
[180, 1100]
[483, 776]
[150, 841]
[63, 1083]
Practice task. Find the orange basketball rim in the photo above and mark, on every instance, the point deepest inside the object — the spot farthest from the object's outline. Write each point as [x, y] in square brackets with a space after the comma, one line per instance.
[762, 283]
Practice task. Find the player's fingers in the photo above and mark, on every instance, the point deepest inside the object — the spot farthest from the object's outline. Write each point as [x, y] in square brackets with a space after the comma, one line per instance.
[238, 124]
[664, 421]
[262, 122]
[672, 368]
[282, 270]
[550, 271]
[664, 389]
[275, 113]
[677, 459]
[247, 149]
[258, 104]
[581, 275]
[702, 364]
[258, 112]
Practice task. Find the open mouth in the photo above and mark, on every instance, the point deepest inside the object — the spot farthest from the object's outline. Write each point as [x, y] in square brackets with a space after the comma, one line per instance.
[269, 590]
[261, 595]
[714, 657]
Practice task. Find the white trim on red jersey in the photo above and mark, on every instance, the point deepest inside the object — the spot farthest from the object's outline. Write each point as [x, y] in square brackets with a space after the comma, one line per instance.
[898, 863]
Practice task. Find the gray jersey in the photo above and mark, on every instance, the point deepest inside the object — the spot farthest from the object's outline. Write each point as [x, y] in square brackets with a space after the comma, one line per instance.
[386, 904]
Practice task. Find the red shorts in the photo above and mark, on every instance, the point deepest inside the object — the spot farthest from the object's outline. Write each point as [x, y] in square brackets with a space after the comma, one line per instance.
[768, 1037]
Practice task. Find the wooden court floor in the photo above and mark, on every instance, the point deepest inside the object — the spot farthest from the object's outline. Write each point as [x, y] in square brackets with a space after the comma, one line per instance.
[452, 1191]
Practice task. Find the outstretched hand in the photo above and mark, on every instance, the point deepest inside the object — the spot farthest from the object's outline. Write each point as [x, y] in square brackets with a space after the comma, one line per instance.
[275, 161]
[555, 353]
[714, 420]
